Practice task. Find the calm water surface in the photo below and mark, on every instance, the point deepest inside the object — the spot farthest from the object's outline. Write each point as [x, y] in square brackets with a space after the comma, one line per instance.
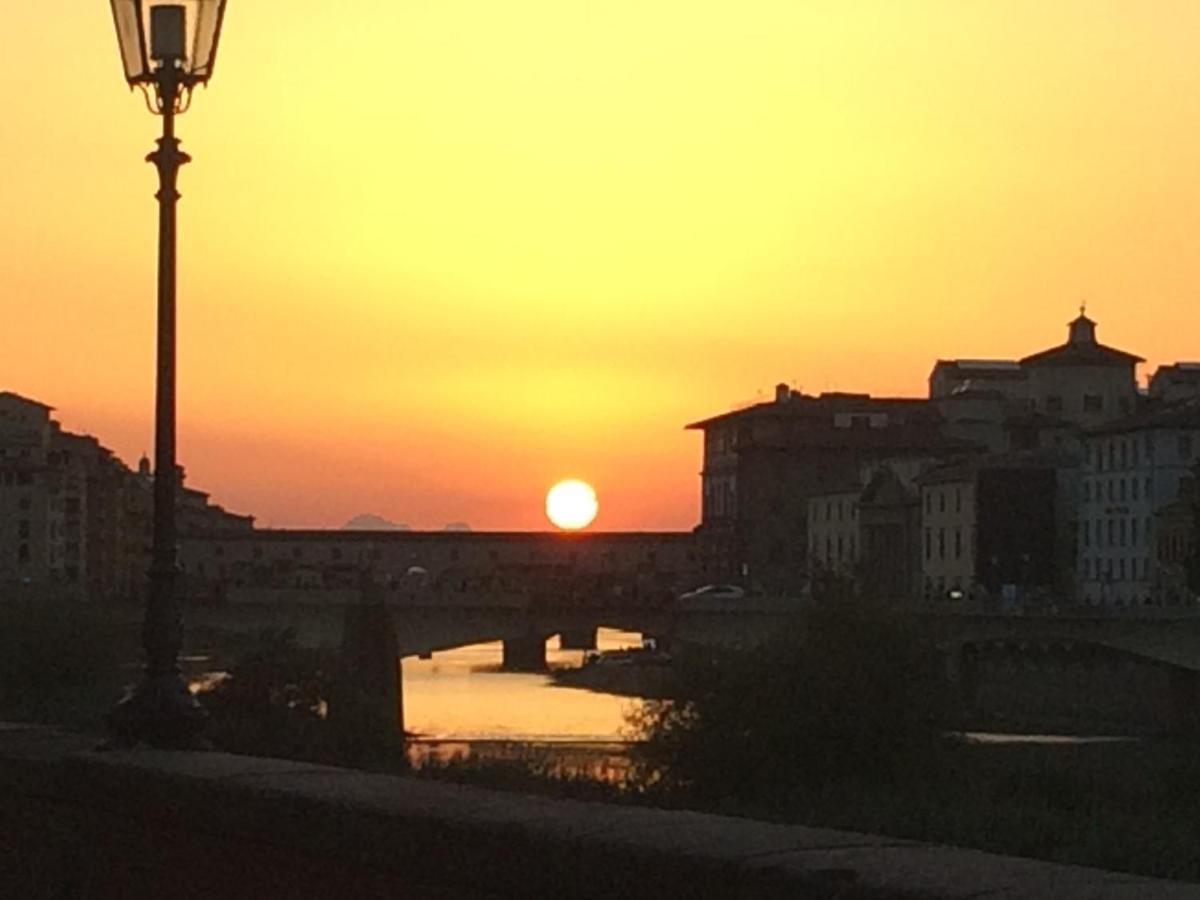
[462, 695]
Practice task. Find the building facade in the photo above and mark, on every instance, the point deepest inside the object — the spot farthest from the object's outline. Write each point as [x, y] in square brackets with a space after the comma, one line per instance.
[1134, 469]
[75, 521]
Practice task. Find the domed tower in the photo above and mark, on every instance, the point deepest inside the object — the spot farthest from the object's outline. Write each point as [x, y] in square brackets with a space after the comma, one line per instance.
[1083, 381]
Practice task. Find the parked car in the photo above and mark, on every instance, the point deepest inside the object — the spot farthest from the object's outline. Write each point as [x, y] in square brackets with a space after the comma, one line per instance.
[715, 592]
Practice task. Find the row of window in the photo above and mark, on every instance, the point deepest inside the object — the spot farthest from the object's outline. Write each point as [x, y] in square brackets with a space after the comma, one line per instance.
[1176, 549]
[942, 544]
[1125, 453]
[1117, 489]
[834, 510]
[941, 496]
[842, 549]
[1095, 569]
[1116, 532]
[720, 497]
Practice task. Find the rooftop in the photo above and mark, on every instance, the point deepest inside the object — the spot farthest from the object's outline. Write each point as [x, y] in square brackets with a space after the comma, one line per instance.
[25, 401]
[1082, 349]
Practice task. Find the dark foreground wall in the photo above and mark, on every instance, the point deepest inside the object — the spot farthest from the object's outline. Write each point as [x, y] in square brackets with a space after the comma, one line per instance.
[150, 824]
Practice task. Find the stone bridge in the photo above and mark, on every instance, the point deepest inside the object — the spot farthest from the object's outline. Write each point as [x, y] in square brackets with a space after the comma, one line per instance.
[1143, 670]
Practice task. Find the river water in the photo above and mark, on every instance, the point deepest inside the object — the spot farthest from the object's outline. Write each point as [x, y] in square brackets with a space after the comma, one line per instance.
[463, 695]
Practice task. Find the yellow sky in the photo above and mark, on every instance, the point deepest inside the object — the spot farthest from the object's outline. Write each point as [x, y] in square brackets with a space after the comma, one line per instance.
[435, 255]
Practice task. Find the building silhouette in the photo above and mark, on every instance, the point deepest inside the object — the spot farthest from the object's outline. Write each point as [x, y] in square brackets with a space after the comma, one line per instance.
[977, 490]
[75, 521]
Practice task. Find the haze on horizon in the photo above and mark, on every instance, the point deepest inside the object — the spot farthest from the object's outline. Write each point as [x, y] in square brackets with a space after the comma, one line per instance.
[436, 256]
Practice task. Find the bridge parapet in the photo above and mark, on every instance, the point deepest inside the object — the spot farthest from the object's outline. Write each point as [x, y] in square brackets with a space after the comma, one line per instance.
[156, 823]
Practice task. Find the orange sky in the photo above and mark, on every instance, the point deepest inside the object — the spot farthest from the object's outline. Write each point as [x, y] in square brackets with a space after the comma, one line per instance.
[435, 255]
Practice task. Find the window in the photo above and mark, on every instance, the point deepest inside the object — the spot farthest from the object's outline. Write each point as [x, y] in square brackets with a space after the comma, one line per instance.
[1112, 494]
[1112, 533]
[928, 542]
[1185, 448]
[1087, 491]
[1133, 487]
[23, 529]
[1054, 404]
[1087, 534]
[23, 553]
[1124, 454]
[257, 553]
[24, 503]
[1093, 403]
[958, 543]
[958, 500]
[942, 500]
[1121, 531]
[941, 543]
[1133, 531]
[1121, 494]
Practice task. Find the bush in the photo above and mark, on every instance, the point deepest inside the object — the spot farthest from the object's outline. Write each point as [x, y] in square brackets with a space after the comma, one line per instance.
[292, 702]
[850, 693]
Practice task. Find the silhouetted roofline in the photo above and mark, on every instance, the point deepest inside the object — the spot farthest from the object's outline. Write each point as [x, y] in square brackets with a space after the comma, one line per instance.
[11, 395]
[1082, 355]
[801, 404]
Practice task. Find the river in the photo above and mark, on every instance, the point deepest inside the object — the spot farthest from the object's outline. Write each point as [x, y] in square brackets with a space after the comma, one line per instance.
[464, 695]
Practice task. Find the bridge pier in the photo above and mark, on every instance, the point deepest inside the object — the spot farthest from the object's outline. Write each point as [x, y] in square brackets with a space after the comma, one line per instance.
[577, 639]
[371, 701]
[525, 654]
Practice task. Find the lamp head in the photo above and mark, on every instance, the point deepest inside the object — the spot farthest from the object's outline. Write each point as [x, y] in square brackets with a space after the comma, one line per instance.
[175, 36]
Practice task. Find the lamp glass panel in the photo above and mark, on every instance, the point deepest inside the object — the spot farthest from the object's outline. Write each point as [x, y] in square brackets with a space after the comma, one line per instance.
[208, 30]
[130, 39]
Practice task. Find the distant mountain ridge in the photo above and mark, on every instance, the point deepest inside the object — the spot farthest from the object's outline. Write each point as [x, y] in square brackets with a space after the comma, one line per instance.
[371, 522]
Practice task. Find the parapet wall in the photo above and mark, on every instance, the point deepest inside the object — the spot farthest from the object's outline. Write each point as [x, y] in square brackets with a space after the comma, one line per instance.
[142, 824]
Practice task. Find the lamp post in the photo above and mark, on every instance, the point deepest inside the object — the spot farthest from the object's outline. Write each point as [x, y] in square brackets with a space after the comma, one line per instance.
[167, 48]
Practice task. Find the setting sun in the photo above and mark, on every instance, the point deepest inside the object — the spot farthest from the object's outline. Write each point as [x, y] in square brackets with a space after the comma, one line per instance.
[571, 504]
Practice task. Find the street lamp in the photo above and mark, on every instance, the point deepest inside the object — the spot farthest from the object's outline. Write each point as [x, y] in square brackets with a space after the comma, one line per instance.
[167, 48]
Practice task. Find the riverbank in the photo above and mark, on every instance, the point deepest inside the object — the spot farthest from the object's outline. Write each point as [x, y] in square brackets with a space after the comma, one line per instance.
[1130, 806]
